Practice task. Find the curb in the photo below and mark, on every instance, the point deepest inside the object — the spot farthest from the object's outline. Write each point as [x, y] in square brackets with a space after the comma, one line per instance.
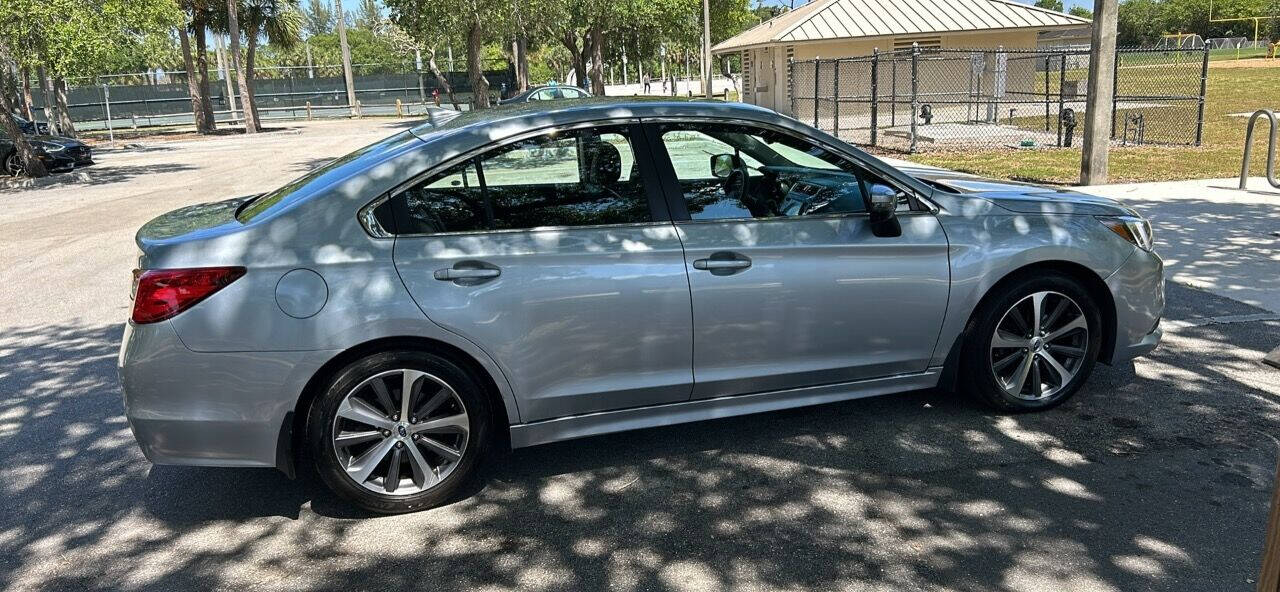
[53, 179]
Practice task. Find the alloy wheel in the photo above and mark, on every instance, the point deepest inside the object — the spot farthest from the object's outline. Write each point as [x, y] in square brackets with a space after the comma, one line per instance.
[400, 432]
[13, 165]
[1039, 345]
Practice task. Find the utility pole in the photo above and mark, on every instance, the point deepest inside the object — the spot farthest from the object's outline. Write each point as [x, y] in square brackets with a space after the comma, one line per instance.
[1098, 103]
[417, 65]
[225, 71]
[707, 48]
[311, 70]
[1269, 577]
[346, 58]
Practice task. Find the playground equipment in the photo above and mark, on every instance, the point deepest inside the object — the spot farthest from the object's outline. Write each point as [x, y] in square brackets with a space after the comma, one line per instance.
[1271, 147]
[1180, 41]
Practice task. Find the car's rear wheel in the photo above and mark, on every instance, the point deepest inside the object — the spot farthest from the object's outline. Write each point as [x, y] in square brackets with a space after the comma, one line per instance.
[1032, 346]
[398, 431]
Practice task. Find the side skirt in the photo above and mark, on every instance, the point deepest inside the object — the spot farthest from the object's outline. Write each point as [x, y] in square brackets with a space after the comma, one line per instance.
[605, 422]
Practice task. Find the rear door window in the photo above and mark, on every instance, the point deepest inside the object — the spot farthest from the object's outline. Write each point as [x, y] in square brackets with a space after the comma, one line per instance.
[580, 178]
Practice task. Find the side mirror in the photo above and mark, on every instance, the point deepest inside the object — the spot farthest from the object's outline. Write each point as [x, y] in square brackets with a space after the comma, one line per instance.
[884, 211]
[723, 165]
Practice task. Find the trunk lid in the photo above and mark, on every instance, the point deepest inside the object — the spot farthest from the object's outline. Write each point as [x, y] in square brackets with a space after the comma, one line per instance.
[167, 233]
[199, 219]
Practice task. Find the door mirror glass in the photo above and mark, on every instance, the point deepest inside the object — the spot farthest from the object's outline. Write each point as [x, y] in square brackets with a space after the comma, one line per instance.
[722, 165]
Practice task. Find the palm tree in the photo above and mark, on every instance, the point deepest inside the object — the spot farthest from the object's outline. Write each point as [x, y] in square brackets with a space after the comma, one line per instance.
[280, 21]
[198, 11]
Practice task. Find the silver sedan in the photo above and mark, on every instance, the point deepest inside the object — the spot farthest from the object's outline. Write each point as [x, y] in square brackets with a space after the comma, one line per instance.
[536, 273]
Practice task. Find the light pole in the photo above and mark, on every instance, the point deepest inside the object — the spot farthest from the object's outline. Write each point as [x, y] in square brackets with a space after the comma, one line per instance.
[706, 48]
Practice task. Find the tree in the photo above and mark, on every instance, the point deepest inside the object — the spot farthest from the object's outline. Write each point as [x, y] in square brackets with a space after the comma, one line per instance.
[765, 12]
[246, 97]
[31, 164]
[1081, 12]
[1140, 22]
[435, 22]
[319, 18]
[388, 53]
[280, 21]
[1050, 4]
[197, 14]
[369, 16]
[65, 38]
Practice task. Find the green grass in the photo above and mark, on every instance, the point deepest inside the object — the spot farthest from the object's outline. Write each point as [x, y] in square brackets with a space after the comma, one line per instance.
[1229, 90]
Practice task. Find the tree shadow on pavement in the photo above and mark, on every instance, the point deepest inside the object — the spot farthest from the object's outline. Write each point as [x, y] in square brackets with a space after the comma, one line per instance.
[1228, 247]
[1155, 477]
[101, 174]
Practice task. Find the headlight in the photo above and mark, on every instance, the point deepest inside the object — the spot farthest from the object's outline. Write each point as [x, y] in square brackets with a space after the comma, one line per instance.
[51, 147]
[1134, 229]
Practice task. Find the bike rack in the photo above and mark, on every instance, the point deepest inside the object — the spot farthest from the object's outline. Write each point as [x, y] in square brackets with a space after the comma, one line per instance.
[1271, 147]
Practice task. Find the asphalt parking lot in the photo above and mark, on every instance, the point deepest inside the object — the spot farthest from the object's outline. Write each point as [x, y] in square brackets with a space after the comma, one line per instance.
[1156, 477]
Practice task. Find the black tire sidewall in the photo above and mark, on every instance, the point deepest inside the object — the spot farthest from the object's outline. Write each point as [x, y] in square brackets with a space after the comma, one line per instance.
[319, 430]
[975, 358]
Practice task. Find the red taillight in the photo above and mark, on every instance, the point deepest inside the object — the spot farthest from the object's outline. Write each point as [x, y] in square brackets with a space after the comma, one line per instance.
[161, 294]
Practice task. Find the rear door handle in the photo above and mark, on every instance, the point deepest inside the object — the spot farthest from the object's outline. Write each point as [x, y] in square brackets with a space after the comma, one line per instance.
[467, 273]
[715, 264]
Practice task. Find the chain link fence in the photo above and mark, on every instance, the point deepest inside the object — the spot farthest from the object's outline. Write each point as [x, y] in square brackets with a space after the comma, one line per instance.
[937, 99]
[282, 92]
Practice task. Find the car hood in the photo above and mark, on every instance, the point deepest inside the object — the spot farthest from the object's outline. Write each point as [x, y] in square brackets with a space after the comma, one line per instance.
[59, 140]
[1023, 198]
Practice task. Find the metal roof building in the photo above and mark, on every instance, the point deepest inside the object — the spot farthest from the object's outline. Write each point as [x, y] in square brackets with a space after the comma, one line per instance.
[847, 28]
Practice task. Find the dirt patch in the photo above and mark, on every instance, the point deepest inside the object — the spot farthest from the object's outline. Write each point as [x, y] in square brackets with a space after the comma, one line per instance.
[1249, 63]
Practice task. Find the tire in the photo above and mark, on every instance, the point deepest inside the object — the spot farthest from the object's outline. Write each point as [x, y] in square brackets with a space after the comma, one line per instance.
[13, 164]
[991, 365]
[374, 435]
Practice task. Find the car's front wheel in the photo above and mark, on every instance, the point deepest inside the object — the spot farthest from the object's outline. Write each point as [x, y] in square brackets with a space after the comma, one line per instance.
[13, 164]
[1033, 345]
[398, 431]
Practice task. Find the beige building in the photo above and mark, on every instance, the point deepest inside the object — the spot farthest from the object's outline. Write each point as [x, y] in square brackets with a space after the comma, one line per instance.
[849, 28]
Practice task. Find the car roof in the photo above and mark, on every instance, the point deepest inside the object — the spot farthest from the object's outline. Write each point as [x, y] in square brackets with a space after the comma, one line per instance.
[516, 117]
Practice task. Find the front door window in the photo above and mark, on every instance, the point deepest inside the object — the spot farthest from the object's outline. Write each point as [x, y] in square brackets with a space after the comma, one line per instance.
[764, 174]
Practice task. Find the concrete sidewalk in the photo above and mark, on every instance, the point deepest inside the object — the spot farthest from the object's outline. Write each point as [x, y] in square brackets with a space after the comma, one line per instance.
[1213, 236]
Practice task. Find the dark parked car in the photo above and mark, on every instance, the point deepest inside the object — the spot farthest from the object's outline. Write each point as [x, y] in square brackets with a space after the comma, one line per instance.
[31, 128]
[57, 153]
[547, 93]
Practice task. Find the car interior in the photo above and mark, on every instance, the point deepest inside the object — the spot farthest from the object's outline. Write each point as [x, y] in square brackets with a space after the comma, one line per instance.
[755, 173]
[590, 177]
[576, 179]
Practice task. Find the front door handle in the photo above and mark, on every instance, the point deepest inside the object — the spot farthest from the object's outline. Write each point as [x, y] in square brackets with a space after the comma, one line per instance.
[467, 273]
[722, 263]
